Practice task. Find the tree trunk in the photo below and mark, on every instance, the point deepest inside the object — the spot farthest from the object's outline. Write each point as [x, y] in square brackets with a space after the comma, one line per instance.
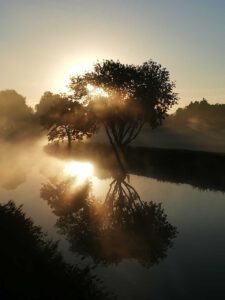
[116, 151]
[69, 139]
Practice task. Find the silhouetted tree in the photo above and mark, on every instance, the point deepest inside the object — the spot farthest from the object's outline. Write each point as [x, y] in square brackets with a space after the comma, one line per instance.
[64, 118]
[32, 267]
[17, 120]
[125, 97]
[47, 101]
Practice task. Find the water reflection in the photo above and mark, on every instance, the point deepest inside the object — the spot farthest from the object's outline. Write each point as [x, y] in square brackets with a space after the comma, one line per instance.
[65, 196]
[199, 169]
[120, 227]
[32, 268]
[81, 170]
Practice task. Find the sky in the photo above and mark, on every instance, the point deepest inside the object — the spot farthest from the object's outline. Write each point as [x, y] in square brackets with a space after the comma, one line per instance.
[44, 42]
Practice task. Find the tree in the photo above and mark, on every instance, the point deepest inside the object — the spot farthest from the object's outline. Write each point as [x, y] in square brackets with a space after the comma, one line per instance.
[47, 101]
[125, 97]
[32, 266]
[64, 118]
[16, 118]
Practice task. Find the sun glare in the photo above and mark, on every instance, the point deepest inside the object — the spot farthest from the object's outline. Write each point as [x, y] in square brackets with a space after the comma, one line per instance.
[96, 92]
[69, 69]
[90, 87]
[80, 170]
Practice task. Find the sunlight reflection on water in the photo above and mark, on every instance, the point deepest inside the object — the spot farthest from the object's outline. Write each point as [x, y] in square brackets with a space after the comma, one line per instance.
[81, 170]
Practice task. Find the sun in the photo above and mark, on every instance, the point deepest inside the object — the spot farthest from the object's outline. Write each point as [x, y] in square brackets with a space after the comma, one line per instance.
[81, 170]
[96, 91]
[69, 69]
[90, 88]
[74, 68]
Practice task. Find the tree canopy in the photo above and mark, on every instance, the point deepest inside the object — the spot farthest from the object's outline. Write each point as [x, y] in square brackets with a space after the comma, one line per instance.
[64, 118]
[16, 118]
[47, 101]
[124, 97]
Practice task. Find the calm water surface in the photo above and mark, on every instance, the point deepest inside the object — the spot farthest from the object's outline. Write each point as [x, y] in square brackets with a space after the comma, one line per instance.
[193, 266]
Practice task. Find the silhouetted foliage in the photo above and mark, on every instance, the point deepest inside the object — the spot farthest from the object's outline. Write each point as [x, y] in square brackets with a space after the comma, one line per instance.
[125, 97]
[121, 227]
[17, 120]
[47, 101]
[64, 118]
[202, 115]
[31, 266]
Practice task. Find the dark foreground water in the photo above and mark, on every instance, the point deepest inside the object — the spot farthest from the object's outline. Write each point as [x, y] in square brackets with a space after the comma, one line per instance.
[113, 221]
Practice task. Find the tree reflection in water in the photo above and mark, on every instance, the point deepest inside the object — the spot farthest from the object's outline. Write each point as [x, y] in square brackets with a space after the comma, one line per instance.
[121, 227]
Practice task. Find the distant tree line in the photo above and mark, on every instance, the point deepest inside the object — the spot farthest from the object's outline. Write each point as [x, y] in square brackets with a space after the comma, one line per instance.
[201, 114]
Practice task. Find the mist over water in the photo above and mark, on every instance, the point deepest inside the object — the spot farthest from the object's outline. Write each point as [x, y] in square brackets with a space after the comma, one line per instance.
[193, 206]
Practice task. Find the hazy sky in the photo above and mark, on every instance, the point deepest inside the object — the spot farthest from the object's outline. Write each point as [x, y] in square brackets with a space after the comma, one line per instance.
[42, 42]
